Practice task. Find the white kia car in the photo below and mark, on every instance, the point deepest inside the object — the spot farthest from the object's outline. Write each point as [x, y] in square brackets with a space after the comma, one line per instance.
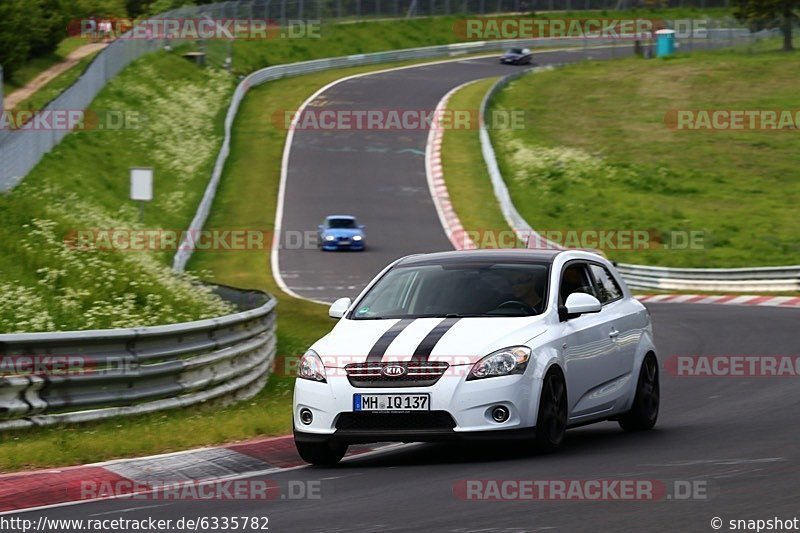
[478, 344]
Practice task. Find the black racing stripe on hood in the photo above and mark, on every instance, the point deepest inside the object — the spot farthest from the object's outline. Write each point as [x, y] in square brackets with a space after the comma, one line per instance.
[427, 345]
[382, 344]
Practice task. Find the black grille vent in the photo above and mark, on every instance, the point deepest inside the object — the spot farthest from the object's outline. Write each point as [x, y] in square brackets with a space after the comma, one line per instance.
[419, 421]
[416, 374]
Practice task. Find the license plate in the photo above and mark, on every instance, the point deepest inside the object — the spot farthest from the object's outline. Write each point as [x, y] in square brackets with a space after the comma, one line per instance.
[345, 242]
[391, 402]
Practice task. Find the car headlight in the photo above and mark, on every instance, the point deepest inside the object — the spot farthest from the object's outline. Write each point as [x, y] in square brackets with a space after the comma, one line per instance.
[357, 237]
[330, 238]
[311, 367]
[512, 360]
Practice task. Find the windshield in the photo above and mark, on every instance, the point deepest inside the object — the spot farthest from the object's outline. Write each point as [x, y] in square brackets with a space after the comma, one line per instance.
[515, 51]
[341, 223]
[482, 289]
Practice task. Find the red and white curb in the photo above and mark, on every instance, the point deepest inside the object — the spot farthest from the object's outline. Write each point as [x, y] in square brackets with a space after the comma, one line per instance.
[729, 299]
[438, 188]
[147, 475]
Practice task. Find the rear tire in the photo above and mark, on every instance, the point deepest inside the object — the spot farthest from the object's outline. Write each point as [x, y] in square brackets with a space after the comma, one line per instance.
[321, 453]
[644, 412]
[551, 423]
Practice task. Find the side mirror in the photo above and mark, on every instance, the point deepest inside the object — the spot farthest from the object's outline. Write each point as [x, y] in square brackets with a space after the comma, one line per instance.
[339, 308]
[361, 226]
[577, 304]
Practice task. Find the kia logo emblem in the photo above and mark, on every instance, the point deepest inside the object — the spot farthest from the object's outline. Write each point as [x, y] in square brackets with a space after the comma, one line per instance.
[393, 371]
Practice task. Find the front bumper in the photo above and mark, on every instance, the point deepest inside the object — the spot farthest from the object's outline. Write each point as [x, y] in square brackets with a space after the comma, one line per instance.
[459, 410]
[335, 245]
[366, 437]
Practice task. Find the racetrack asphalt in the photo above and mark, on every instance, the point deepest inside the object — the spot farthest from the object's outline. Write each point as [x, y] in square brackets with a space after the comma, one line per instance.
[378, 176]
[736, 437]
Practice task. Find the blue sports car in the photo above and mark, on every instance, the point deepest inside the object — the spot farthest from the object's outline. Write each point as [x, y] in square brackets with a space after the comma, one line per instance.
[340, 232]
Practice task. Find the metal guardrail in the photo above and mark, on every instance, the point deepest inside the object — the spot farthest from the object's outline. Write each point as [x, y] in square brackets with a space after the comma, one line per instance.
[766, 279]
[769, 279]
[59, 378]
[264, 75]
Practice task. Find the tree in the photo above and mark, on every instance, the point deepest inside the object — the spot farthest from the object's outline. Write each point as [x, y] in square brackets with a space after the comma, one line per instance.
[763, 14]
[14, 45]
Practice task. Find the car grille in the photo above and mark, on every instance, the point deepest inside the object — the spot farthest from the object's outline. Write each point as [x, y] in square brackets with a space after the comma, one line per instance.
[419, 421]
[417, 374]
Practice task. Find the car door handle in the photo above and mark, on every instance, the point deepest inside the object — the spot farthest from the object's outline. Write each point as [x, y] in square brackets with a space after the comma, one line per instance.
[614, 333]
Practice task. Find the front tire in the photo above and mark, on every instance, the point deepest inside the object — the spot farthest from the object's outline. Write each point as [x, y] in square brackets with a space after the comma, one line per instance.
[551, 423]
[644, 412]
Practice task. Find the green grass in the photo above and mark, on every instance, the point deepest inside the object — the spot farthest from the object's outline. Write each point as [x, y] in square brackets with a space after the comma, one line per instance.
[47, 285]
[468, 181]
[247, 198]
[596, 154]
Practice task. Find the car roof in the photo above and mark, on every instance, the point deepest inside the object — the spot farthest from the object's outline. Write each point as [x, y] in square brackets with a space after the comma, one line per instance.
[501, 254]
[350, 217]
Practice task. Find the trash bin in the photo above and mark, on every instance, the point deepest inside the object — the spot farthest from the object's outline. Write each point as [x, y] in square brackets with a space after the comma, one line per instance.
[665, 43]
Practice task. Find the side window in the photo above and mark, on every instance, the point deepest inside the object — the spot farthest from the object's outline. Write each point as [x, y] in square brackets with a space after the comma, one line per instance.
[575, 278]
[607, 288]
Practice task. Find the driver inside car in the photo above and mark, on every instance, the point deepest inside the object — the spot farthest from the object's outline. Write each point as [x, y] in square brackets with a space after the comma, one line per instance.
[524, 287]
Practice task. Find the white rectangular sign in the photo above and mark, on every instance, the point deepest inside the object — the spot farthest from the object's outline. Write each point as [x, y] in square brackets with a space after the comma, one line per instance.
[142, 184]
